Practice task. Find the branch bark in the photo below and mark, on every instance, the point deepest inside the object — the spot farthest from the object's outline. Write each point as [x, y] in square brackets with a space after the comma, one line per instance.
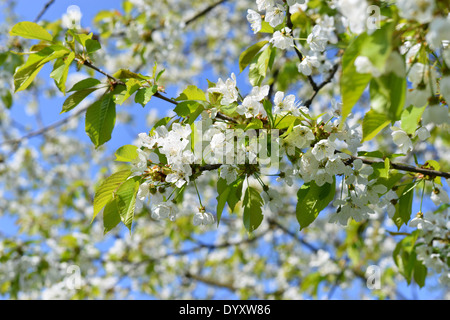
[44, 9]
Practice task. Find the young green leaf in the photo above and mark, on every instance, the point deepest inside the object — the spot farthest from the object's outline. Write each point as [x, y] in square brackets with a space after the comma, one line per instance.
[111, 216]
[105, 191]
[75, 99]
[247, 56]
[126, 153]
[85, 84]
[30, 30]
[144, 95]
[312, 199]
[373, 123]
[252, 204]
[100, 120]
[126, 200]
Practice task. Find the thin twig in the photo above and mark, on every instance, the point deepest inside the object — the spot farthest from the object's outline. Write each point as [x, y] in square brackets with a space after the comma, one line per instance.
[44, 9]
[203, 12]
[323, 84]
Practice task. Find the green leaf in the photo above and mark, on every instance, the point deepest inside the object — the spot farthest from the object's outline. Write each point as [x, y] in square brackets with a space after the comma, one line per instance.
[387, 95]
[223, 190]
[191, 93]
[227, 193]
[75, 99]
[252, 204]
[266, 27]
[7, 99]
[352, 83]
[124, 74]
[254, 124]
[420, 273]
[312, 199]
[105, 192]
[25, 74]
[132, 85]
[111, 216]
[373, 123]
[126, 153]
[30, 30]
[403, 208]
[85, 84]
[247, 56]
[410, 118]
[144, 95]
[405, 257]
[61, 72]
[189, 108]
[92, 46]
[100, 120]
[377, 47]
[258, 69]
[126, 200]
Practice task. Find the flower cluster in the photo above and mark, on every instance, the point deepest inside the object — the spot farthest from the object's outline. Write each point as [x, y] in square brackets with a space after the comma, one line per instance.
[433, 249]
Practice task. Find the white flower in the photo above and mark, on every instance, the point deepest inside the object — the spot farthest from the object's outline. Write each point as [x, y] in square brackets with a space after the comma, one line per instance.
[274, 15]
[364, 65]
[439, 196]
[436, 114]
[72, 18]
[139, 165]
[146, 141]
[254, 18]
[420, 223]
[296, 5]
[282, 39]
[316, 40]
[322, 177]
[300, 137]
[307, 64]
[283, 104]
[264, 4]
[423, 133]
[180, 174]
[164, 210]
[355, 14]
[228, 172]
[444, 86]
[360, 173]
[335, 165]
[273, 199]
[323, 149]
[142, 194]
[251, 107]
[202, 218]
[438, 31]
[259, 93]
[227, 89]
[419, 10]
[402, 140]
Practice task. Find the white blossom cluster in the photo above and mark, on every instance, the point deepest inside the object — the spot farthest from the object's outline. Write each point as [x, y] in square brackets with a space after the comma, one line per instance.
[433, 249]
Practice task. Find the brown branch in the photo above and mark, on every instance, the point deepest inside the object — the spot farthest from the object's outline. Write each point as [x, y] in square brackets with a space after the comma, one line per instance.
[44, 9]
[45, 129]
[404, 167]
[297, 51]
[323, 84]
[203, 12]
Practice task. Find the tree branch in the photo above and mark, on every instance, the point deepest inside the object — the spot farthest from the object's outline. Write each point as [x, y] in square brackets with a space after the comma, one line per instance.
[203, 12]
[323, 84]
[44, 9]
[404, 167]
